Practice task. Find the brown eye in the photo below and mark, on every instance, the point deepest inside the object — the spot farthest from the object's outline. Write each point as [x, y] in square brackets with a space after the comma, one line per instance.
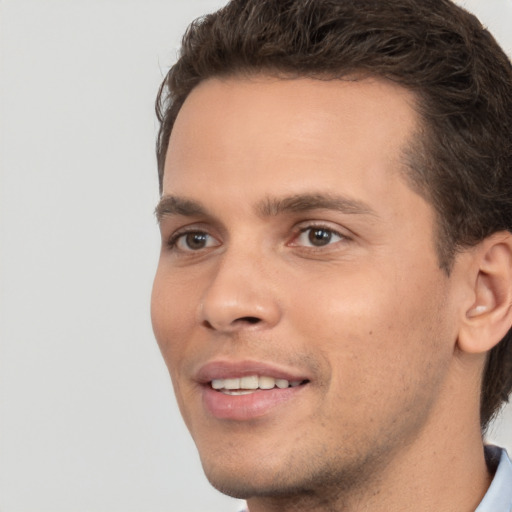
[196, 241]
[319, 237]
[193, 241]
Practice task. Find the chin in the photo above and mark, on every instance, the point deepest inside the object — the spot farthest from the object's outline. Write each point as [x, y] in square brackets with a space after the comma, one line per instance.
[234, 487]
[238, 478]
[242, 486]
[247, 477]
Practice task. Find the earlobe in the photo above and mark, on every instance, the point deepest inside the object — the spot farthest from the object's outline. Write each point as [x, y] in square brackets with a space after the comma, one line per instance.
[489, 317]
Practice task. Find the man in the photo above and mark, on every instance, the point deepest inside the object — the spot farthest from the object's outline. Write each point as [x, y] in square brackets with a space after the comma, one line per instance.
[333, 297]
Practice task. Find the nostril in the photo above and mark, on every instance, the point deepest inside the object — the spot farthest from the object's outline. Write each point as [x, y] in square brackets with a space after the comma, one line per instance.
[249, 319]
[207, 324]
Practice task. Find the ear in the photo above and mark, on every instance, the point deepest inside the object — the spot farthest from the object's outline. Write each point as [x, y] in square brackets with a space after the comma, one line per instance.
[489, 317]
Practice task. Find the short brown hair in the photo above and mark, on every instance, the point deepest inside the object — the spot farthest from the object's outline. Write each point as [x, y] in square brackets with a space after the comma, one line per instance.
[462, 159]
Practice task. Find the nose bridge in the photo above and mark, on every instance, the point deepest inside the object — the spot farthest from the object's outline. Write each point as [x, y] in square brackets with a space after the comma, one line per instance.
[240, 292]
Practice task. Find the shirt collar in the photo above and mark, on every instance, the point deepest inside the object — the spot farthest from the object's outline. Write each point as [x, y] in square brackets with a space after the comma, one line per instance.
[499, 495]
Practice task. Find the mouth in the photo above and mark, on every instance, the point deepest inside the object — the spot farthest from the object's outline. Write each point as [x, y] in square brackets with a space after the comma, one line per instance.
[249, 384]
[248, 390]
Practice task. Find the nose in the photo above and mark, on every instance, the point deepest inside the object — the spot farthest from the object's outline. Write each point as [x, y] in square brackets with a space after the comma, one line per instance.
[240, 296]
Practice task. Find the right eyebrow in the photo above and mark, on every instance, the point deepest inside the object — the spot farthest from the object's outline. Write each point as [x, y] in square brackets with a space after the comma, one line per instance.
[174, 205]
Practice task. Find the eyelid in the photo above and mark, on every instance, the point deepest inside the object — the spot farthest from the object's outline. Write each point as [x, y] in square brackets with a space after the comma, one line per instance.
[323, 224]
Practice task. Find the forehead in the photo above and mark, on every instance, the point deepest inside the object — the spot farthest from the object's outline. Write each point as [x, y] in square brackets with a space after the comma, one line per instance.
[250, 132]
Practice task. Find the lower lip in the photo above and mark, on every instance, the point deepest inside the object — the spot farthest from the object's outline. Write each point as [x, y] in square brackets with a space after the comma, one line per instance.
[249, 406]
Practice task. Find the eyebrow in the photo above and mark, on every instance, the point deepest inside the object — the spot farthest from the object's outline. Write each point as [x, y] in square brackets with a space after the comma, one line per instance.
[170, 205]
[305, 202]
[174, 205]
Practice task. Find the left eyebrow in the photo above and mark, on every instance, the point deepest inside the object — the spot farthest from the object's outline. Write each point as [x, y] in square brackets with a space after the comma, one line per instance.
[298, 203]
[174, 205]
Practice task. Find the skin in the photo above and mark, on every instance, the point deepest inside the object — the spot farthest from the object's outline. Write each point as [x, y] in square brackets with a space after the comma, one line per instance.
[390, 412]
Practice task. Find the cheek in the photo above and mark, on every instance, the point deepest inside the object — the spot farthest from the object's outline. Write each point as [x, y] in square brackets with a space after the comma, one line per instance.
[374, 327]
[171, 316]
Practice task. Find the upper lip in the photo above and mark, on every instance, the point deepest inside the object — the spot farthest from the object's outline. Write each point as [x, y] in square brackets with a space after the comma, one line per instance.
[224, 369]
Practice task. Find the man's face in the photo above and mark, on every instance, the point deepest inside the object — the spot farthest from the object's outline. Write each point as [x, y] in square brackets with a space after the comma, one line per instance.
[296, 260]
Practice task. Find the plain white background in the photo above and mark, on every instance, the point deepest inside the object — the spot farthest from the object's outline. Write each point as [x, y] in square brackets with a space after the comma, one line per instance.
[88, 421]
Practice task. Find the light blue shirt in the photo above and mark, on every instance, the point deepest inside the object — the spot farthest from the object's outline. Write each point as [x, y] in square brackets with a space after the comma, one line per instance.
[498, 497]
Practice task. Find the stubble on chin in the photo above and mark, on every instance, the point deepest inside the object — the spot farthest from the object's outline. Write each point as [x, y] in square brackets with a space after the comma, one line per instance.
[309, 483]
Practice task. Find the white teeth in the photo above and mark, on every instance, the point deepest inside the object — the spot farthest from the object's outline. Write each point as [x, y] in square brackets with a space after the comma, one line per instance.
[282, 383]
[266, 382]
[245, 385]
[231, 384]
[217, 383]
[250, 382]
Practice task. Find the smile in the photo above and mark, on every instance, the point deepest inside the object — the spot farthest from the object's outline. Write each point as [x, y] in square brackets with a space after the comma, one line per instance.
[251, 384]
[247, 390]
